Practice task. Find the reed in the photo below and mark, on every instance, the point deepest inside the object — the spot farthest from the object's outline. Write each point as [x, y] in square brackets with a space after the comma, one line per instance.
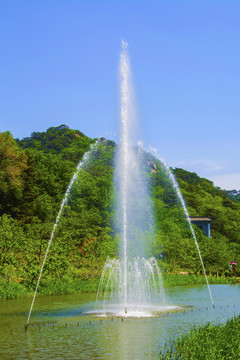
[212, 342]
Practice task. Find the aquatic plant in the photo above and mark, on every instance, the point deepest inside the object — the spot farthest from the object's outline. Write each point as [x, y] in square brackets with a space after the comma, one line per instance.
[211, 342]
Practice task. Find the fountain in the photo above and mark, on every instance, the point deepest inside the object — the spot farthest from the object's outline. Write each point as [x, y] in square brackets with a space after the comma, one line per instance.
[145, 293]
[130, 286]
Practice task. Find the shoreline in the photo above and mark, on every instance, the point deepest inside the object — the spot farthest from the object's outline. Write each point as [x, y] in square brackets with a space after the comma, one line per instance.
[14, 290]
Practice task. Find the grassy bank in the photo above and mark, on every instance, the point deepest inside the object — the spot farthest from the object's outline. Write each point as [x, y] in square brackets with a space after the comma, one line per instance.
[191, 279]
[70, 286]
[12, 290]
[53, 287]
[209, 342]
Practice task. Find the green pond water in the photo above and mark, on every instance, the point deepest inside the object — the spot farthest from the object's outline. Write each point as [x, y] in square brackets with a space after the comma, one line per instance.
[61, 328]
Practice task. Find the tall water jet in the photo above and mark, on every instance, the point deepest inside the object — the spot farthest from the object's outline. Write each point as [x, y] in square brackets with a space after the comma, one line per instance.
[125, 102]
[133, 282]
[132, 279]
[128, 175]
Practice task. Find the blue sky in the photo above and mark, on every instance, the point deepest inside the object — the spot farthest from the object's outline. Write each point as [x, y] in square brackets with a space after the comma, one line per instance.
[59, 65]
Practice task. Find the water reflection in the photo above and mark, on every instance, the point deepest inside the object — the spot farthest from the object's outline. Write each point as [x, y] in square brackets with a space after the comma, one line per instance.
[72, 334]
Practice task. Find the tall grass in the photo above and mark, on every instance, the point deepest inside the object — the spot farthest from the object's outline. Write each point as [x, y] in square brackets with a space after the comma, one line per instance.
[12, 290]
[209, 342]
[73, 285]
[191, 279]
[68, 286]
[50, 287]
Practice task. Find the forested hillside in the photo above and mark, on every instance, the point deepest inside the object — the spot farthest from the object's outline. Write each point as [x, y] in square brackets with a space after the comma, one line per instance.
[34, 175]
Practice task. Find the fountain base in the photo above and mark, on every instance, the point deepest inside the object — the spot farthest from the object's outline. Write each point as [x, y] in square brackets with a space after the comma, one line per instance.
[133, 311]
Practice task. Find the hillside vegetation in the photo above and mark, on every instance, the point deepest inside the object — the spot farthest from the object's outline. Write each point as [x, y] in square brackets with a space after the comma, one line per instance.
[34, 175]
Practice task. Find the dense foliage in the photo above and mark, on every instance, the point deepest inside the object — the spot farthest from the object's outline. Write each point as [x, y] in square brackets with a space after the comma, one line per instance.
[34, 175]
[203, 199]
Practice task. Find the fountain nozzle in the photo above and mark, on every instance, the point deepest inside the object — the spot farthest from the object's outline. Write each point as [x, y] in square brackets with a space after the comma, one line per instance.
[125, 310]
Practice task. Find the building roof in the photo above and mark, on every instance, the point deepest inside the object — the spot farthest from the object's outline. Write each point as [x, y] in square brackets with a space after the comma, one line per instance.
[207, 219]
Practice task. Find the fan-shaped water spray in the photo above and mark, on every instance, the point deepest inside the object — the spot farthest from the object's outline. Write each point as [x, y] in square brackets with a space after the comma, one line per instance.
[64, 201]
[145, 293]
[176, 187]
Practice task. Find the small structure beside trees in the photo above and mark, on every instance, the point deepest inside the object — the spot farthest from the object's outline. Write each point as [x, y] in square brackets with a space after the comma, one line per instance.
[203, 223]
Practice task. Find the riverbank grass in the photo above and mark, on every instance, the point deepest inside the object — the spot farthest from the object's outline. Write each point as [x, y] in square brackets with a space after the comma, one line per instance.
[67, 285]
[211, 342]
[12, 290]
[170, 280]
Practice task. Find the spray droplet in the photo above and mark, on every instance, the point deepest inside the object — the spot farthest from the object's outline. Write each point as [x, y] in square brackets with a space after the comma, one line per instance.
[124, 44]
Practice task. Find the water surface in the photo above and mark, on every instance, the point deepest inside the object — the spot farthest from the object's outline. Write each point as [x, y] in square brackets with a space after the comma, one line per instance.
[62, 329]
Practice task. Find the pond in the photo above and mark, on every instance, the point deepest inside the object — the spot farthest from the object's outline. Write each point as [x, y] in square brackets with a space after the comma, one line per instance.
[61, 328]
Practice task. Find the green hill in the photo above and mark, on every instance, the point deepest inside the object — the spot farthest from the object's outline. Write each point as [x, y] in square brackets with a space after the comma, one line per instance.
[34, 175]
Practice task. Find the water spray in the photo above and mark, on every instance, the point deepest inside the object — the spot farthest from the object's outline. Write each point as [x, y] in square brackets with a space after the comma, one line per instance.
[64, 201]
[124, 70]
[176, 187]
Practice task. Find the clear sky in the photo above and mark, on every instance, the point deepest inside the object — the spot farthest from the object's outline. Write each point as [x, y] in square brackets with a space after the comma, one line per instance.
[59, 65]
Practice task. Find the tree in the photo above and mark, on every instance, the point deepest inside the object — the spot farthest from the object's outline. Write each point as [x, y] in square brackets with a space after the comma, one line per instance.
[13, 163]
